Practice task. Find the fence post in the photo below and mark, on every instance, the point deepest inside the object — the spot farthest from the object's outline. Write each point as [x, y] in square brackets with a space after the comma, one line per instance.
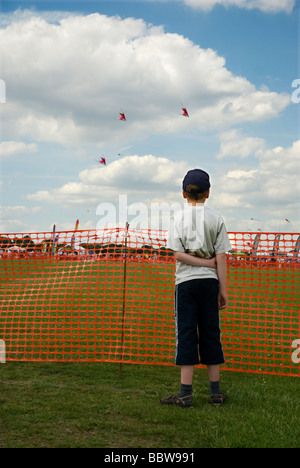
[124, 297]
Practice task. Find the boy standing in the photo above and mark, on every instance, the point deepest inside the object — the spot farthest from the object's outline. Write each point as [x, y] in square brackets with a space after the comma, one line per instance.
[200, 241]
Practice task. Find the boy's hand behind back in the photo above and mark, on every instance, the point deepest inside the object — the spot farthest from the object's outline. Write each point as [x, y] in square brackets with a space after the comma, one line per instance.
[222, 300]
[213, 262]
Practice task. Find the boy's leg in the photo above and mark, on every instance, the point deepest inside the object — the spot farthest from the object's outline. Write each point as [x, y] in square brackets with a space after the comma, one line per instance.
[210, 345]
[214, 373]
[187, 345]
[187, 373]
[214, 379]
[186, 316]
[187, 354]
[186, 387]
[217, 396]
[184, 397]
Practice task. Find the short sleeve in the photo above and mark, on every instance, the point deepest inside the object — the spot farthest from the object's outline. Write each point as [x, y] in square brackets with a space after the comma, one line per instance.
[174, 242]
[222, 244]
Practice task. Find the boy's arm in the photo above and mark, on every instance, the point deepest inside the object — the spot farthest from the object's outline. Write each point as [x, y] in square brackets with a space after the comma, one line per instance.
[195, 261]
[221, 260]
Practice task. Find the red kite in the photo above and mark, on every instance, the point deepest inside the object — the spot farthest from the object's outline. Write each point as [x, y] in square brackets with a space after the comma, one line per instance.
[102, 161]
[185, 112]
[122, 116]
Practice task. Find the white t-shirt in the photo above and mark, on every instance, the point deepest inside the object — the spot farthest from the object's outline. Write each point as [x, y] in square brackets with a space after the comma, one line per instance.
[200, 231]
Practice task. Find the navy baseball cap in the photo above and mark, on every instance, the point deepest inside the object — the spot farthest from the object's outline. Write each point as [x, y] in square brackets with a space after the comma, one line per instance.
[196, 177]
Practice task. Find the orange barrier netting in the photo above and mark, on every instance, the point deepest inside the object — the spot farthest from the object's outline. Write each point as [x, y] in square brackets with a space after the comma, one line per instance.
[107, 295]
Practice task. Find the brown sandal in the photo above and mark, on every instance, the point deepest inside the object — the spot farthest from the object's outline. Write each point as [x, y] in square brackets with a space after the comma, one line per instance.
[184, 402]
[218, 400]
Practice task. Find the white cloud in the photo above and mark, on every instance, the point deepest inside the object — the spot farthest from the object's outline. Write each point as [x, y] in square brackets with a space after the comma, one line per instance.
[2, 92]
[15, 218]
[239, 174]
[78, 74]
[271, 189]
[139, 177]
[17, 210]
[234, 144]
[81, 70]
[267, 6]
[282, 161]
[11, 148]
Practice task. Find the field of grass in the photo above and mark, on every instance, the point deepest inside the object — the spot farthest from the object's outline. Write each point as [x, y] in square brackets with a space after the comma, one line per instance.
[89, 405]
[83, 311]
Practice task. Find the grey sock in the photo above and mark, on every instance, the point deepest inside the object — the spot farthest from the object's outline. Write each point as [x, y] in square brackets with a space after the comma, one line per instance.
[185, 390]
[215, 388]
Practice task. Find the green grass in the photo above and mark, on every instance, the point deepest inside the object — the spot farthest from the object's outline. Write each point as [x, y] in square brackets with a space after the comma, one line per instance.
[89, 405]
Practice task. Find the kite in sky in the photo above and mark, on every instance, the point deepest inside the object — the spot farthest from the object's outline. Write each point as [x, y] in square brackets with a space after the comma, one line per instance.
[121, 116]
[185, 112]
[102, 161]
[288, 221]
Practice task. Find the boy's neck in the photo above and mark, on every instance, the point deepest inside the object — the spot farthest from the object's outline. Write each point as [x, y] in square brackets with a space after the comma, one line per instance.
[196, 203]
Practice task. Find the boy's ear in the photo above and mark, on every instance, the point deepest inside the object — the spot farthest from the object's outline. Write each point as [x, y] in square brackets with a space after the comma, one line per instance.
[207, 195]
[184, 194]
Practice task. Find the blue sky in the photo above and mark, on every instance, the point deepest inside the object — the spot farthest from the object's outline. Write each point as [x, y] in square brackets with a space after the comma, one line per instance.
[71, 67]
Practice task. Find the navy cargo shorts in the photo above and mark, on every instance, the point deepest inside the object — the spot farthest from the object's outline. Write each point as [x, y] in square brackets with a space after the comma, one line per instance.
[197, 323]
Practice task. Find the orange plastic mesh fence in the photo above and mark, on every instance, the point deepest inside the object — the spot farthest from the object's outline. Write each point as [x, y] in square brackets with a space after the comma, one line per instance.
[108, 296]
